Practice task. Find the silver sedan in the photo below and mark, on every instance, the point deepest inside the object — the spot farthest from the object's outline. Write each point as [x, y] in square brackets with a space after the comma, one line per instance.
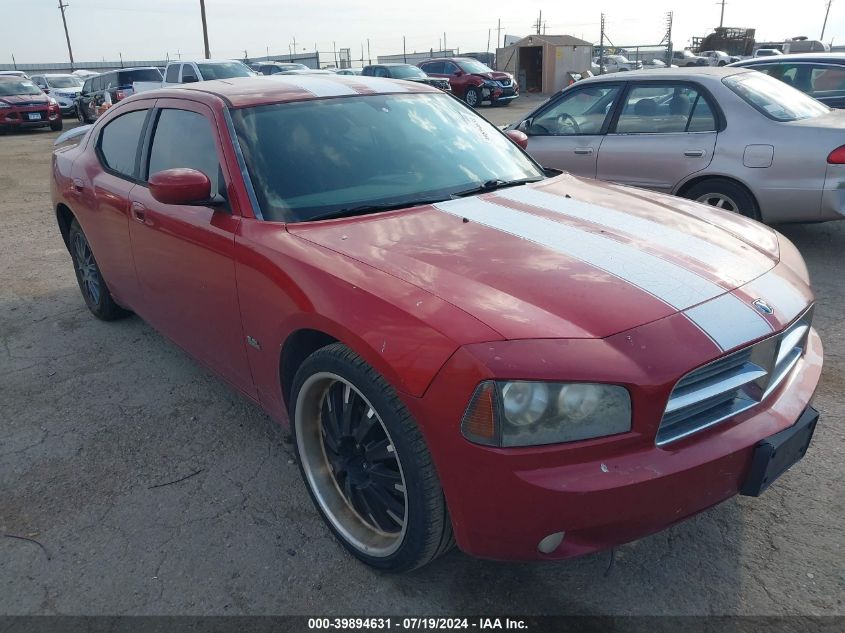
[728, 137]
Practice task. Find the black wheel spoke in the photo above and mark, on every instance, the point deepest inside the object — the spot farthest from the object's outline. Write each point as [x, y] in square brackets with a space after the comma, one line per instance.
[380, 451]
[378, 509]
[331, 430]
[334, 403]
[348, 418]
[368, 421]
[386, 478]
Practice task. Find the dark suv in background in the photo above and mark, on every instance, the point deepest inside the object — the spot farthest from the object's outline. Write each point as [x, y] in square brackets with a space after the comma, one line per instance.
[100, 92]
[406, 72]
[473, 81]
[820, 75]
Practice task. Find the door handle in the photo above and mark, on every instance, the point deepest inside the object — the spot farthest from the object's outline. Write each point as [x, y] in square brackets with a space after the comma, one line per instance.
[78, 184]
[584, 150]
[139, 212]
[694, 153]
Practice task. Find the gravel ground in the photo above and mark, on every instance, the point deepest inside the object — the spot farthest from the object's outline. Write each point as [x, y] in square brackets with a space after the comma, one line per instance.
[94, 416]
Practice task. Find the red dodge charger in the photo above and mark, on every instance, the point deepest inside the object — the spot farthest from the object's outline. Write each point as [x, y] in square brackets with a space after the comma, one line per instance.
[467, 348]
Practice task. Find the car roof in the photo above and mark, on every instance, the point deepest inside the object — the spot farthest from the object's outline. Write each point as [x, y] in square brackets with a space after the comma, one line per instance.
[838, 58]
[667, 73]
[204, 61]
[13, 78]
[391, 64]
[249, 91]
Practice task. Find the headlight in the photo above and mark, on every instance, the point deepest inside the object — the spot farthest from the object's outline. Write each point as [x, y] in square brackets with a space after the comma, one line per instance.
[3, 104]
[523, 413]
[53, 101]
[490, 83]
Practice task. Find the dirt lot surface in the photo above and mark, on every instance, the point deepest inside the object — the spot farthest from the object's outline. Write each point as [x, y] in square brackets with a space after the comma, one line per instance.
[95, 416]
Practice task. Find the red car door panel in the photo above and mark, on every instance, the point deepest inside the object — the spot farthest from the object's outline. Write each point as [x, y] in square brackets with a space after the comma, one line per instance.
[103, 192]
[184, 254]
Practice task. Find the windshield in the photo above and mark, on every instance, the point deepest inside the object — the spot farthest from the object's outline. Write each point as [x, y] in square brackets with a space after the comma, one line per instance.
[18, 87]
[313, 158]
[403, 72]
[225, 70]
[473, 66]
[773, 98]
[63, 82]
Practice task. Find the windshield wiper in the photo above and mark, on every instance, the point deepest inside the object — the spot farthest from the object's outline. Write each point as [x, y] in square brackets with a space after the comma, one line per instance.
[492, 185]
[363, 209]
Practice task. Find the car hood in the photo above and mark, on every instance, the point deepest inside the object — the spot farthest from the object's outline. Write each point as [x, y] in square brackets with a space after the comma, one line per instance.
[564, 258]
[19, 99]
[499, 76]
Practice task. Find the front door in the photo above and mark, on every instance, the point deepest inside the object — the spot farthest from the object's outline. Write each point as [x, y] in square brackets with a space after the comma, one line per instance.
[568, 132]
[665, 132]
[184, 253]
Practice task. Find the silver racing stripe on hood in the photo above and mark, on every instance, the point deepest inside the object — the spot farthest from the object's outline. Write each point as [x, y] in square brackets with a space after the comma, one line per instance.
[676, 286]
[638, 227]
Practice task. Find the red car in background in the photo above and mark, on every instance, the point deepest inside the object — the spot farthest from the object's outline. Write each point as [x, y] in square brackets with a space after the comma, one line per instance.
[473, 81]
[465, 349]
[24, 105]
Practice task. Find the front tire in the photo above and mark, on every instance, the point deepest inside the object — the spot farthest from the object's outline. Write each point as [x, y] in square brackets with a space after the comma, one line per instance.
[57, 126]
[365, 463]
[91, 285]
[473, 97]
[724, 194]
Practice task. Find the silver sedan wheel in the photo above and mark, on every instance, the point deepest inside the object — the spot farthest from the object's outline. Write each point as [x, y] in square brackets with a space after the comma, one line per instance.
[719, 200]
[351, 464]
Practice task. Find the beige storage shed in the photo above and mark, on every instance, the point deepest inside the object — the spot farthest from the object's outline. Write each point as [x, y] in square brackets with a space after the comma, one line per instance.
[540, 63]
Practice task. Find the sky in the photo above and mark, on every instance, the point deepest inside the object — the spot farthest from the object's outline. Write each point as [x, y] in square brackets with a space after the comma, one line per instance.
[154, 29]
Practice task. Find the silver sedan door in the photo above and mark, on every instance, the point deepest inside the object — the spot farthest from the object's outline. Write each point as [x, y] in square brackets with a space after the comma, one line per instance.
[665, 132]
[567, 133]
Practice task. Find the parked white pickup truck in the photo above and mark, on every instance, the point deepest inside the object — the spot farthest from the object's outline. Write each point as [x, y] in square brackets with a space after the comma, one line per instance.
[189, 71]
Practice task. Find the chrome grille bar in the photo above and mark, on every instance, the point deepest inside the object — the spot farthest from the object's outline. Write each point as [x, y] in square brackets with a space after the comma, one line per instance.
[734, 383]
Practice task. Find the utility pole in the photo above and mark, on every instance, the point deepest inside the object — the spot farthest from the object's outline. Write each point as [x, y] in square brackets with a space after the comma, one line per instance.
[824, 26]
[444, 41]
[488, 39]
[539, 21]
[601, 47]
[204, 30]
[14, 63]
[369, 57]
[62, 8]
[121, 59]
[499, 34]
[722, 17]
[334, 51]
[404, 51]
[668, 37]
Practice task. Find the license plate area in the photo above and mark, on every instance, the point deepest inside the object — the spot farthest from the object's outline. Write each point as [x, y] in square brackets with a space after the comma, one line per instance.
[34, 116]
[774, 455]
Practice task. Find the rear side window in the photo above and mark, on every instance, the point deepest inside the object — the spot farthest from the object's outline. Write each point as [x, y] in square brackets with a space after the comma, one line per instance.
[185, 139]
[173, 73]
[665, 109]
[96, 84]
[188, 73]
[381, 71]
[147, 74]
[435, 68]
[223, 70]
[119, 142]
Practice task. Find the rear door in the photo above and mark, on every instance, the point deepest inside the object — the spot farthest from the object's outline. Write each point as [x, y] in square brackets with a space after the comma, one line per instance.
[103, 183]
[662, 133]
[567, 133]
[184, 253]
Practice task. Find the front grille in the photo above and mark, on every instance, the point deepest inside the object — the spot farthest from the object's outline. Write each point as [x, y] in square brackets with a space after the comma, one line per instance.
[504, 83]
[734, 383]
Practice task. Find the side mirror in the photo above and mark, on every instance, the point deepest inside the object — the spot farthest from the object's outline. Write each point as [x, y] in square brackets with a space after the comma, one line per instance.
[180, 186]
[520, 138]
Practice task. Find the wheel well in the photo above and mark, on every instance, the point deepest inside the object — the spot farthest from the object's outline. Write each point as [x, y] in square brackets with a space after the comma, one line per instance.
[691, 183]
[65, 217]
[299, 346]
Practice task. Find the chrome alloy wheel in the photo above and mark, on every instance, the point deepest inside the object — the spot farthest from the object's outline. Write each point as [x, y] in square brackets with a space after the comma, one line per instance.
[86, 269]
[719, 200]
[351, 464]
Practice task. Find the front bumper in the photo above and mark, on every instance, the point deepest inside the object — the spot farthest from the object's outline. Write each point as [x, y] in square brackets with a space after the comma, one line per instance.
[15, 118]
[601, 492]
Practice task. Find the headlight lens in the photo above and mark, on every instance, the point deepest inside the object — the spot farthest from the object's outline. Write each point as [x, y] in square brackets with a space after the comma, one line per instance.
[3, 104]
[524, 413]
[53, 101]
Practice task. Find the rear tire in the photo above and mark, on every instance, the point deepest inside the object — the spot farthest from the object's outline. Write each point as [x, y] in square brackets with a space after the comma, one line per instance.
[724, 194]
[365, 463]
[91, 284]
[57, 126]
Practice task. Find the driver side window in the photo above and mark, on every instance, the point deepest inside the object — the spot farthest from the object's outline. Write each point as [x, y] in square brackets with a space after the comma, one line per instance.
[582, 111]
